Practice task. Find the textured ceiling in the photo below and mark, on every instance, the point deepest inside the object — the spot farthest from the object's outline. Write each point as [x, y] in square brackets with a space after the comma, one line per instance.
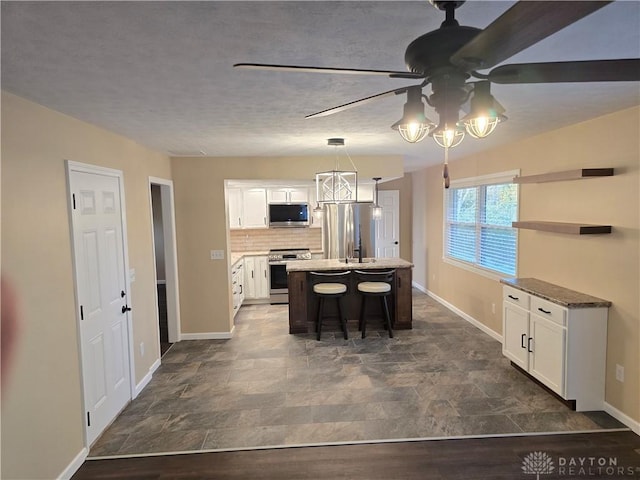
[161, 73]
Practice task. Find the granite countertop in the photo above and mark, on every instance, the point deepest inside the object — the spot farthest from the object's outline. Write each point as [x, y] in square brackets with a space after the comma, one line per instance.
[335, 264]
[237, 256]
[556, 294]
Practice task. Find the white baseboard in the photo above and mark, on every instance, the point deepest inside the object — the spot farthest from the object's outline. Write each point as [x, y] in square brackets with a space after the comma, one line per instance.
[622, 417]
[457, 311]
[208, 335]
[146, 379]
[75, 464]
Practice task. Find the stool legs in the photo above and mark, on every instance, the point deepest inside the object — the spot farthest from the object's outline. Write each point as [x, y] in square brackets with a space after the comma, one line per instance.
[320, 311]
[320, 317]
[387, 317]
[362, 321]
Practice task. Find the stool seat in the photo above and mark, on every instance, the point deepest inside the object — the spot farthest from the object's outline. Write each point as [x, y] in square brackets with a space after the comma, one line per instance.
[374, 287]
[329, 288]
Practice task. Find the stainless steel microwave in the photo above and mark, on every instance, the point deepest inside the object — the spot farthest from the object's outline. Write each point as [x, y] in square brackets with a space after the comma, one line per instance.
[288, 214]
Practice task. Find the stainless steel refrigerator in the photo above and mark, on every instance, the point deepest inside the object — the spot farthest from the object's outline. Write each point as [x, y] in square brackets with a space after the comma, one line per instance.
[346, 226]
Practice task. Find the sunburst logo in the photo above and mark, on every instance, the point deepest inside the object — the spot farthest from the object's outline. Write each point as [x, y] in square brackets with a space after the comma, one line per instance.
[537, 463]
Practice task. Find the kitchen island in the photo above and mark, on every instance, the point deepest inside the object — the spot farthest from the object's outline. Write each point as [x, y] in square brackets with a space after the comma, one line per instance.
[303, 303]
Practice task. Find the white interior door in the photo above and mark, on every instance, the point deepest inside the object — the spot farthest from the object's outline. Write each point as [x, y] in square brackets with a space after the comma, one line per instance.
[388, 227]
[102, 296]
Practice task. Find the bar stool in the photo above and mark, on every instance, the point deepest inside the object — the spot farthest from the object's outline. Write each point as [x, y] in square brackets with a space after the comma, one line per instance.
[375, 284]
[330, 285]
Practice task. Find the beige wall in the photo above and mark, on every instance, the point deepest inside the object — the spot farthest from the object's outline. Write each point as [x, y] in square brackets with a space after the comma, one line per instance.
[42, 419]
[606, 266]
[202, 226]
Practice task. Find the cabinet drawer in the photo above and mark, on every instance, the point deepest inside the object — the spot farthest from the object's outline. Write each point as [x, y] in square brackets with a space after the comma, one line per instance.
[515, 296]
[548, 310]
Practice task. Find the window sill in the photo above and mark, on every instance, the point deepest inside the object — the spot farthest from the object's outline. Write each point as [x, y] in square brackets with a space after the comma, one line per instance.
[478, 270]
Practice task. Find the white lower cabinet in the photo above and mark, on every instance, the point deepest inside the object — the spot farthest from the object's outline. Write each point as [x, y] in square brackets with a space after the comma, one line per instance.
[237, 285]
[564, 348]
[256, 278]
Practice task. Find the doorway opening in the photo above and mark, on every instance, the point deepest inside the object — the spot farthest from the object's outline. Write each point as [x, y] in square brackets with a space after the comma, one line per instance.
[164, 242]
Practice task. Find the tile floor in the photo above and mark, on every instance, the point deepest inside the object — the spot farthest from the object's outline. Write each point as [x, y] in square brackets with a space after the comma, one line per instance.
[265, 387]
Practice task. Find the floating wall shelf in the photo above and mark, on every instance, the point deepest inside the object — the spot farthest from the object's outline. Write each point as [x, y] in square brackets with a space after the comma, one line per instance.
[560, 227]
[567, 175]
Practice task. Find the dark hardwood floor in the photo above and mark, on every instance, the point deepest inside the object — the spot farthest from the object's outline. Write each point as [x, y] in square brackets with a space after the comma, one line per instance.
[569, 456]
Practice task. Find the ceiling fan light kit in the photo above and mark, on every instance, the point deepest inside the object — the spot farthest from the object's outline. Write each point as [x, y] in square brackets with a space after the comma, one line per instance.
[485, 113]
[448, 56]
[414, 126]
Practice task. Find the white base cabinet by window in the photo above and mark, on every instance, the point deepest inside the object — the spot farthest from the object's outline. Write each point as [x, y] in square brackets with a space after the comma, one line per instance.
[564, 348]
[237, 285]
[256, 278]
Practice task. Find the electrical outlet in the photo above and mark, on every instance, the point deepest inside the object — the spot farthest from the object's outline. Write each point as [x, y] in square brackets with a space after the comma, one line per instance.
[142, 349]
[619, 373]
[217, 254]
[433, 277]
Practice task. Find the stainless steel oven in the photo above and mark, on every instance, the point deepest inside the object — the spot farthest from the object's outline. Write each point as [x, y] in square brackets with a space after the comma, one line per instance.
[278, 259]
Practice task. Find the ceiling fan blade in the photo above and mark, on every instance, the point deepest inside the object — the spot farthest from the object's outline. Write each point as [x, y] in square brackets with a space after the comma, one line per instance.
[523, 25]
[623, 70]
[357, 103]
[347, 71]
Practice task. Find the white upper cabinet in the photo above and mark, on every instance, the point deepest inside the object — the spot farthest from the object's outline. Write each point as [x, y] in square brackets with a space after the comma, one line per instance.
[288, 195]
[235, 207]
[365, 192]
[254, 207]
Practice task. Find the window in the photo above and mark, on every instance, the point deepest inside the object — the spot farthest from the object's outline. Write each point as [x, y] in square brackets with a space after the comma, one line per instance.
[477, 229]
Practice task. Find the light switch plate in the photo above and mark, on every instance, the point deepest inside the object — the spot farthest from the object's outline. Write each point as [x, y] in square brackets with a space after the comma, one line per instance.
[217, 254]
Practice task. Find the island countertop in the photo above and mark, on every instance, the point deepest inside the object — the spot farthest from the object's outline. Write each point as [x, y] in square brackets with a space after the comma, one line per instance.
[336, 264]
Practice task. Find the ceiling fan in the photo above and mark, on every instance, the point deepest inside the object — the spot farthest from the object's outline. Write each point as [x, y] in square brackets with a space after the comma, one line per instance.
[447, 57]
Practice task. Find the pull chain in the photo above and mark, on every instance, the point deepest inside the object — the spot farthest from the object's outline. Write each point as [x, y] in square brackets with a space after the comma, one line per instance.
[445, 170]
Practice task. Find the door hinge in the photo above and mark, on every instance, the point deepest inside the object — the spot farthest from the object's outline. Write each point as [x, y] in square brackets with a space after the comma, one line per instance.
[88, 419]
[73, 196]
[81, 313]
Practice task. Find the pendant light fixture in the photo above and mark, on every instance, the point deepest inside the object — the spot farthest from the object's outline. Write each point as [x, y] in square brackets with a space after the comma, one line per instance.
[376, 209]
[318, 211]
[337, 186]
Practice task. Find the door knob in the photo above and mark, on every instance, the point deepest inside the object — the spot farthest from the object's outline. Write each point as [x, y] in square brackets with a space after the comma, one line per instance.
[126, 308]
[395, 243]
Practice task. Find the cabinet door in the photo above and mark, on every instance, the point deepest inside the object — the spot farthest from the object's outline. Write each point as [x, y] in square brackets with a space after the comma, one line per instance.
[235, 207]
[240, 284]
[298, 195]
[254, 207]
[249, 277]
[365, 192]
[547, 360]
[262, 277]
[277, 195]
[515, 335]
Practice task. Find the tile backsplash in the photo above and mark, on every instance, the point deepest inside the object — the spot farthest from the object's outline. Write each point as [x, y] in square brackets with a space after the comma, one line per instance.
[264, 239]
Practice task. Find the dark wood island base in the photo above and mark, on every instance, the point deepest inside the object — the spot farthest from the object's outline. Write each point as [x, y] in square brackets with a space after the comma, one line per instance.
[303, 303]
